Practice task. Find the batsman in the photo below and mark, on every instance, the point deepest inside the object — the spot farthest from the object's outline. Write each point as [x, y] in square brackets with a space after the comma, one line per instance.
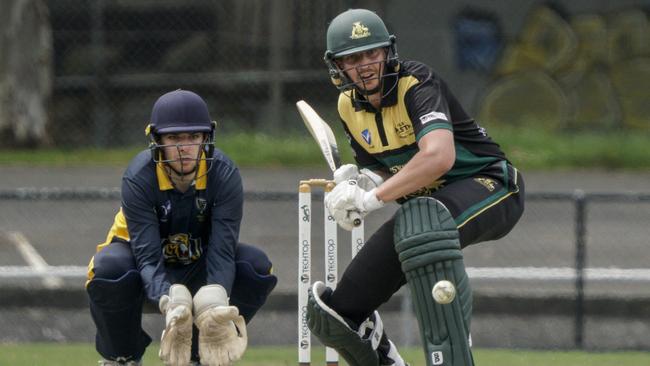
[175, 244]
[414, 144]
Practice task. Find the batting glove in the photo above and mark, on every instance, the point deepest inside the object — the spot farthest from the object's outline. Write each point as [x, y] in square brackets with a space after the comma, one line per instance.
[366, 178]
[348, 197]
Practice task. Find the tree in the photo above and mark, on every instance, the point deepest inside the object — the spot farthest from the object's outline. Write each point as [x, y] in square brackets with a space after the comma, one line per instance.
[25, 72]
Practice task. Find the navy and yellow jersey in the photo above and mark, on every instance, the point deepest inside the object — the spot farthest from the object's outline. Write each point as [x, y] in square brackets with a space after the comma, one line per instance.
[421, 102]
[170, 231]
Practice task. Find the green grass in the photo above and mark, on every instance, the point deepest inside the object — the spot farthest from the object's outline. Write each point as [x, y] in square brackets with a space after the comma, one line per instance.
[528, 148]
[245, 149]
[532, 148]
[52, 354]
[67, 157]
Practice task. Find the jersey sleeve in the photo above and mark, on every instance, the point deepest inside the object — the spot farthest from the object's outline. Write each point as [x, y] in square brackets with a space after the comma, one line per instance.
[428, 107]
[227, 211]
[144, 233]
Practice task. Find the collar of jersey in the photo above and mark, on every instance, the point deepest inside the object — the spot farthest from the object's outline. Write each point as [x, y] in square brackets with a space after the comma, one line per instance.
[390, 99]
[165, 184]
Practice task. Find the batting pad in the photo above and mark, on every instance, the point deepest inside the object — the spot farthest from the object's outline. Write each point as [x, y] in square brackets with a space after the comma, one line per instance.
[426, 240]
[333, 331]
[116, 309]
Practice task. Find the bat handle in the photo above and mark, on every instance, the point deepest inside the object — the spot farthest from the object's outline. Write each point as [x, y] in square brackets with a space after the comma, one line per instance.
[356, 218]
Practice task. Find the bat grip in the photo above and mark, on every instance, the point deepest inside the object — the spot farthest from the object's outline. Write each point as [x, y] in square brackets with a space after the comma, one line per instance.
[356, 218]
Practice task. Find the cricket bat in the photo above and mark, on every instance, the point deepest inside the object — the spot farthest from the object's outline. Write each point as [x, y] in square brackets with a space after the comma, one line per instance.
[322, 133]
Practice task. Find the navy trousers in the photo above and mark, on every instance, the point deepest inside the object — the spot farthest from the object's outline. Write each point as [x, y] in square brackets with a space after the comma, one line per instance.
[117, 298]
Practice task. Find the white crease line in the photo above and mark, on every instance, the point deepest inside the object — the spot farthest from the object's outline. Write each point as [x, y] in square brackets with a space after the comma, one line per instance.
[35, 261]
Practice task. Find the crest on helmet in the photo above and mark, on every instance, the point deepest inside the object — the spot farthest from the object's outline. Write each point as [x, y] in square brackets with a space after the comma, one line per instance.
[359, 31]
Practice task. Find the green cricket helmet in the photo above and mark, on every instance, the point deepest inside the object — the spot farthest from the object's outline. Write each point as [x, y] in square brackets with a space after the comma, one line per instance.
[357, 30]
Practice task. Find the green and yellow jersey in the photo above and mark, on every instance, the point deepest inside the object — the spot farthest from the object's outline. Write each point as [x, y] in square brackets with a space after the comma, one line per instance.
[418, 102]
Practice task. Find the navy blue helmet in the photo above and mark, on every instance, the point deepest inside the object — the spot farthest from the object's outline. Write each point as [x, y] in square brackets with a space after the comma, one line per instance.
[176, 112]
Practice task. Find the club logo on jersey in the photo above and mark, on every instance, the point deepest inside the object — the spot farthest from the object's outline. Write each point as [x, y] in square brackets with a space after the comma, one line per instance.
[365, 134]
[201, 205]
[163, 212]
[486, 182]
[436, 185]
[422, 192]
[433, 116]
[403, 129]
[181, 249]
[359, 31]
[428, 190]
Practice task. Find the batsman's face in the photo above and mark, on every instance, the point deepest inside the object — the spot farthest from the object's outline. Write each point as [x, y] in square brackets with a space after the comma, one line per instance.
[182, 150]
[364, 68]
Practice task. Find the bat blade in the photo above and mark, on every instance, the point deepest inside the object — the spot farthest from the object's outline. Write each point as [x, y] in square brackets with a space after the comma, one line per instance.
[322, 133]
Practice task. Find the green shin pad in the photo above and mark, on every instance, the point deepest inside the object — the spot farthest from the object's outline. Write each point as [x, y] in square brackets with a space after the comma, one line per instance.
[427, 242]
[333, 331]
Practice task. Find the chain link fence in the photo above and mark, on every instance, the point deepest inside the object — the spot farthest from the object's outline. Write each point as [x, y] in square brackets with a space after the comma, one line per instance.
[248, 59]
[579, 65]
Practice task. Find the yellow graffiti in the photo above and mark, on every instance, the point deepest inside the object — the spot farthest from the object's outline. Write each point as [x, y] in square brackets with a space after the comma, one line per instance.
[590, 71]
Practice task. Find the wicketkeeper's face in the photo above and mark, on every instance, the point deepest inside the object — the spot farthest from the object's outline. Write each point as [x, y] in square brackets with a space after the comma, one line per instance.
[182, 151]
[364, 68]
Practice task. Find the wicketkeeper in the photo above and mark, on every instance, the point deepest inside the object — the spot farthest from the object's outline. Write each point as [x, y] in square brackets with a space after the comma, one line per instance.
[413, 144]
[174, 244]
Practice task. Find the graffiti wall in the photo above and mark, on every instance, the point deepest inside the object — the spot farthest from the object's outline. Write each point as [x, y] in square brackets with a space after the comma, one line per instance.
[579, 72]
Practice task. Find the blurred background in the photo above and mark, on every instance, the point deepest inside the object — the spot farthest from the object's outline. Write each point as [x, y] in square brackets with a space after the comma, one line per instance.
[94, 68]
[84, 74]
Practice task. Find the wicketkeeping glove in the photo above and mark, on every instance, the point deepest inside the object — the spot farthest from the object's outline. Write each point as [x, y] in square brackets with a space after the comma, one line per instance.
[176, 339]
[222, 331]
